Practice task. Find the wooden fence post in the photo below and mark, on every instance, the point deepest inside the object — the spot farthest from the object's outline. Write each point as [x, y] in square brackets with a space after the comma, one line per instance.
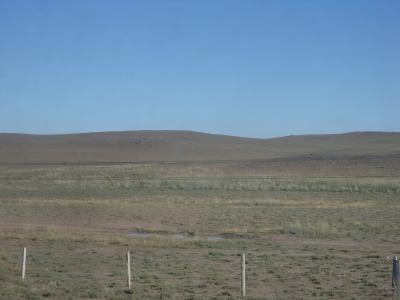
[23, 263]
[128, 262]
[244, 274]
[396, 276]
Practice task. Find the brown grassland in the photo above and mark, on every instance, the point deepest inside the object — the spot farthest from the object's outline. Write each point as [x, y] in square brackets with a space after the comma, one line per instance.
[318, 227]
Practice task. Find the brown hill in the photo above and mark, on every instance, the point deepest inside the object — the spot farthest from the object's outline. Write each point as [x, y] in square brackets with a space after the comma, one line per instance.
[141, 146]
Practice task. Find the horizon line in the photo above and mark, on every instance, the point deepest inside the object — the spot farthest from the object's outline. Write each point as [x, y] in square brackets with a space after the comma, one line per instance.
[194, 131]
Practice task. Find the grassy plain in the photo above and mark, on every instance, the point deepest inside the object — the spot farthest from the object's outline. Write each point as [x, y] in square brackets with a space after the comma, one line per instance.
[316, 229]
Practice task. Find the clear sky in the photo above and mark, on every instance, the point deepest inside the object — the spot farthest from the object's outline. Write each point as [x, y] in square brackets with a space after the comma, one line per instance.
[240, 67]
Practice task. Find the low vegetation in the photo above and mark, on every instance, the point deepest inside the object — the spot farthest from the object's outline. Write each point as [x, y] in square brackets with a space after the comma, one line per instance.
[323, 237]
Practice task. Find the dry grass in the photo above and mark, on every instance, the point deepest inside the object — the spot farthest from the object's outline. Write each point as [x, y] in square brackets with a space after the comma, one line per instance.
[305, 237]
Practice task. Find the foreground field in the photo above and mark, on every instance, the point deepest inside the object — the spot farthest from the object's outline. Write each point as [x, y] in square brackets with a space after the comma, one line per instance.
[308, 232]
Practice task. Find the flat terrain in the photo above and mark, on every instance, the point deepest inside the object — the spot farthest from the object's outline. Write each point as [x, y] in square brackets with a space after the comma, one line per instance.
[316, 215]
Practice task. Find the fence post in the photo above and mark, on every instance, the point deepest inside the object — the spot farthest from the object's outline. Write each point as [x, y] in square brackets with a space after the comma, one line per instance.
[23, 263]
[128, 263]
[396, 276]
[394, 273]
[243, 274]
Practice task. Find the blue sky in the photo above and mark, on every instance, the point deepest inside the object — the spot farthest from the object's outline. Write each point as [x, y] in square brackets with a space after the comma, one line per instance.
[250, 68]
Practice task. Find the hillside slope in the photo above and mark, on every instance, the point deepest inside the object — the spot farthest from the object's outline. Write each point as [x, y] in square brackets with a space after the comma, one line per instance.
[139, 146]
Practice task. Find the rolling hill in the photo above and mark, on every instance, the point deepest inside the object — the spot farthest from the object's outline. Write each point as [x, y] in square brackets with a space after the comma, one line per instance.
[179, 146]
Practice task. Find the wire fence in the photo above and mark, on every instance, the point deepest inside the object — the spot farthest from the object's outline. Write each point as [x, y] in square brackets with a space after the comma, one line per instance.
[31, 262]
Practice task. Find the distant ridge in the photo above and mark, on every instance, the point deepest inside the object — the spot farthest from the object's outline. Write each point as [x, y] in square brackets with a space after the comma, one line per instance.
[180, 146]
